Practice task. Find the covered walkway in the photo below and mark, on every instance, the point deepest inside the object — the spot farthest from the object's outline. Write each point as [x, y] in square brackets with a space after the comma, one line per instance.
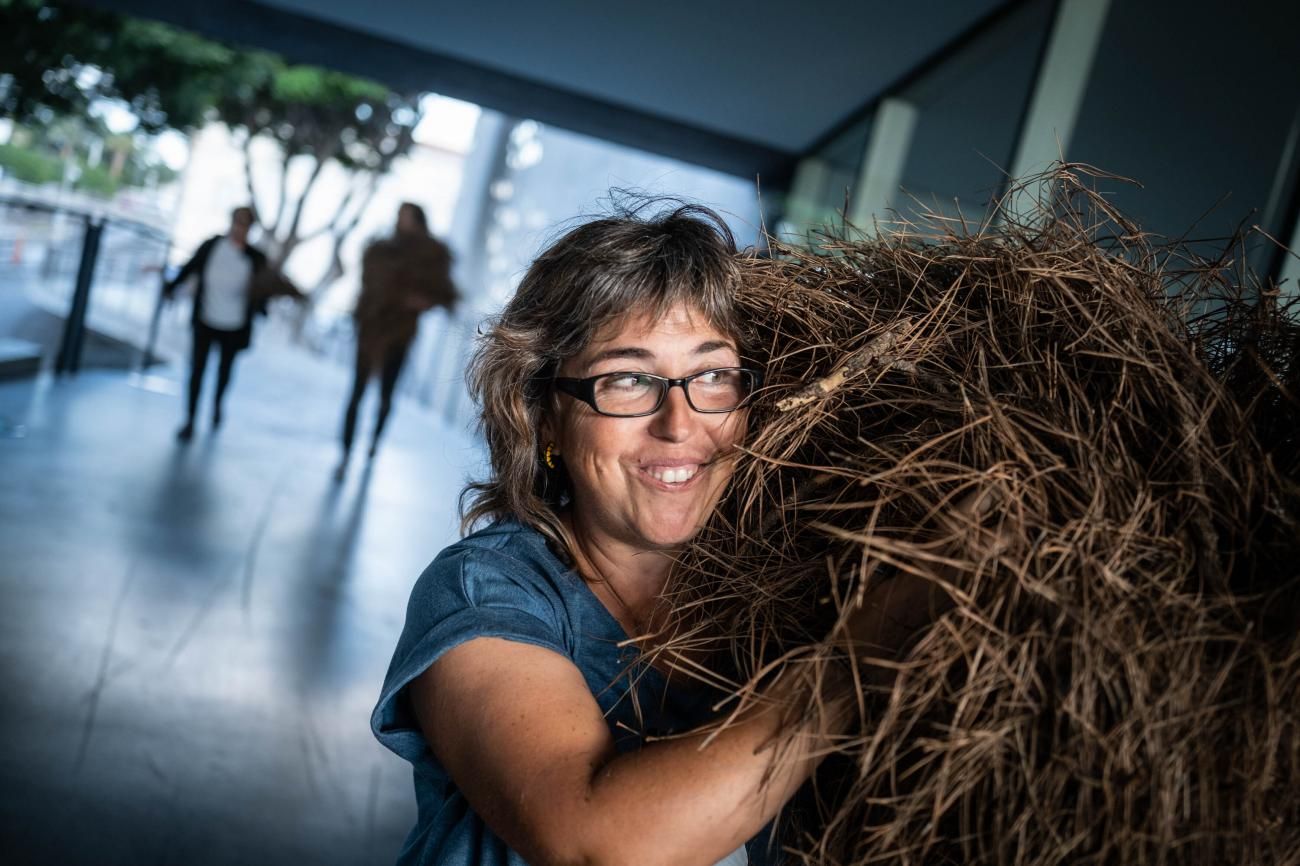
[192, 636]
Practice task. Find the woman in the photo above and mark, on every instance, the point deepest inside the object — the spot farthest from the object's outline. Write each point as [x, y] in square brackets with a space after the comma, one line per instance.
[614, 388]
[401, 277]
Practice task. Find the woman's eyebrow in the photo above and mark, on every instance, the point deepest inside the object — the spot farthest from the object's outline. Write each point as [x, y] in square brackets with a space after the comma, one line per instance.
[622, 352]
[713, 346]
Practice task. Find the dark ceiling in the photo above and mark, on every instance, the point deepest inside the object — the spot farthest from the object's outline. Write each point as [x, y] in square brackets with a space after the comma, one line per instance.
[741, 87]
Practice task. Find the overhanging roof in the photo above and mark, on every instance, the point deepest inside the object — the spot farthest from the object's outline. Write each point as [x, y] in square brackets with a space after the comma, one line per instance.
[744, 88]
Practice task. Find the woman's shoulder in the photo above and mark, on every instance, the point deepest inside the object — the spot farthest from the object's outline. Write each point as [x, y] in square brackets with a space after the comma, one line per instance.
[503, 543]
[504, 561]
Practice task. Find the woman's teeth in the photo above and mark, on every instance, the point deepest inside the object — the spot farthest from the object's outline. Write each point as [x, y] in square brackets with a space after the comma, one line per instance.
[674, 475]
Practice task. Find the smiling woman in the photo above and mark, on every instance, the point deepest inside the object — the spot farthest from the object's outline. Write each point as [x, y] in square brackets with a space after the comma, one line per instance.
[614, 388]
[645, 461]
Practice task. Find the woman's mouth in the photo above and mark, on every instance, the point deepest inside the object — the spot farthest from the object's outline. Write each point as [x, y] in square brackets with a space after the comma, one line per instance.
[673, 474]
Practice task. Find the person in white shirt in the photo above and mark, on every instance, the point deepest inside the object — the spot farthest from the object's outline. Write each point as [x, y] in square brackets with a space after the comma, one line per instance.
[224, 304]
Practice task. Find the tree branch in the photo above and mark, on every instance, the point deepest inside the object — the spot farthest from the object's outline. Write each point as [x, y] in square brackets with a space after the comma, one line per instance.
[335, 268]
[248, 177]
[353, 187]
[284, 188]
[321, 159]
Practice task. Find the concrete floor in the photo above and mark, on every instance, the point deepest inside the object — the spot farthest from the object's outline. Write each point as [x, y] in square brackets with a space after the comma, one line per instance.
[191, 637]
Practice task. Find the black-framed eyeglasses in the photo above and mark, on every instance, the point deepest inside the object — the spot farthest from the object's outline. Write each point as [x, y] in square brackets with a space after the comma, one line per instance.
[632, 394]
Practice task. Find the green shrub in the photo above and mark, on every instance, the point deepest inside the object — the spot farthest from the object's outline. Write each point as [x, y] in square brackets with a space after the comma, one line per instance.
[96, 180]
[28, 165]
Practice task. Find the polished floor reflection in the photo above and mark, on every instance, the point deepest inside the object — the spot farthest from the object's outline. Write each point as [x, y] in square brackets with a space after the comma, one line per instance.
[191, 637]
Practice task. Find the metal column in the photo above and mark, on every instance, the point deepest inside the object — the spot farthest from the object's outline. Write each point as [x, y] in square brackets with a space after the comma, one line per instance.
[74, 327]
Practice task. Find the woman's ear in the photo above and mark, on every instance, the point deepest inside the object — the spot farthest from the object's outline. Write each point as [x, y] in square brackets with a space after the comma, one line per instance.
[548, 430]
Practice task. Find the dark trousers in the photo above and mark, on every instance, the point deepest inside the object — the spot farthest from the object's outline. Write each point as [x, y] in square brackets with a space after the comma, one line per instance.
[390, 369]
[230, 343]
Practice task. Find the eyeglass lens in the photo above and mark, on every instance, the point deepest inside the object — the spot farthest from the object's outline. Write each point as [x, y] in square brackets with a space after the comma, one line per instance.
[635, 393]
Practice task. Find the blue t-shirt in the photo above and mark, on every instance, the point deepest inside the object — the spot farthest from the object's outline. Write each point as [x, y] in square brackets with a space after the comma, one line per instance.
[505, 582]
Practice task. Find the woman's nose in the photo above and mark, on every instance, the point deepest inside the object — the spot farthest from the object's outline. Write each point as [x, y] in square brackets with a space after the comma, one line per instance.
[674, 419]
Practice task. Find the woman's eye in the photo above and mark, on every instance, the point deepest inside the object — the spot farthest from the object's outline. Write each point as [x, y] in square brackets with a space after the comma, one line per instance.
[628, 380]
[718, 378]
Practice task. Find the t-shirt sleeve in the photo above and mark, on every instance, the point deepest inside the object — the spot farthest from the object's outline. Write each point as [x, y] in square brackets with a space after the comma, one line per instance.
[464, 594]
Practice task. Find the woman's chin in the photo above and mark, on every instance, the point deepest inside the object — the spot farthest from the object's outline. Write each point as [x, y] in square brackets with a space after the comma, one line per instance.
[670, 533]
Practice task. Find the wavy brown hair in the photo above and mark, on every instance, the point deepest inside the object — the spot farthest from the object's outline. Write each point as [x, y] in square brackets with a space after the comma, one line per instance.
[644, 259]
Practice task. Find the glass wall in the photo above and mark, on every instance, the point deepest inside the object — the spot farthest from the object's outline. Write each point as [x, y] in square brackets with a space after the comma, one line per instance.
[553, 179]
[942, 140]
[969, 111]
[1200, 109]
[1199, 106]
[823, 183]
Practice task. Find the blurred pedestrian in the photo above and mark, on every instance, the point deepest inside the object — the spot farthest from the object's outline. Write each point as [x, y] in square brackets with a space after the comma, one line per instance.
[402, 276]
[225, 268]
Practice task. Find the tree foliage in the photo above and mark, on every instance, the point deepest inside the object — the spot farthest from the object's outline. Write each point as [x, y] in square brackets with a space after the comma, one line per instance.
[62, 59]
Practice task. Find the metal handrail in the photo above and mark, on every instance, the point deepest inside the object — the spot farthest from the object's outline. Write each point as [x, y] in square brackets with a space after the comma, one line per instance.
[95, 221]
[87, 214]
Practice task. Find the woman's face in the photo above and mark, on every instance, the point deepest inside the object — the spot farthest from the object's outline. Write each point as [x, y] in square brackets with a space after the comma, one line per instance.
[618, 465]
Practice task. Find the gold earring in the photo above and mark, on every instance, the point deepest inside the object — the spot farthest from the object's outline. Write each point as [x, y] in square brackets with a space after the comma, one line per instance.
[550, 464]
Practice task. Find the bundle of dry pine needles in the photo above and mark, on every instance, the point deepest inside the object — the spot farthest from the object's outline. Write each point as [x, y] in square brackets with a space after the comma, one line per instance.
[1118, 680]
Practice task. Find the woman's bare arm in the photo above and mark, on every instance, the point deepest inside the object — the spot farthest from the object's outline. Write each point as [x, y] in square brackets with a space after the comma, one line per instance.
[518, 730]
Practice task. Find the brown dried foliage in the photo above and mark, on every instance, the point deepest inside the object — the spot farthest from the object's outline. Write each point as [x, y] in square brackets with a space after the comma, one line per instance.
[1118, 681]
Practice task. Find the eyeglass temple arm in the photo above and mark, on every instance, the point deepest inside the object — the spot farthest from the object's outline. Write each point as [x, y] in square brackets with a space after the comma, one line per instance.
[583, 389]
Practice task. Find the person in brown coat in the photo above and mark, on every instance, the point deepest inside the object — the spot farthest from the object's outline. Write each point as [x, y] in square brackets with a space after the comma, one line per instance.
[401, 277]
